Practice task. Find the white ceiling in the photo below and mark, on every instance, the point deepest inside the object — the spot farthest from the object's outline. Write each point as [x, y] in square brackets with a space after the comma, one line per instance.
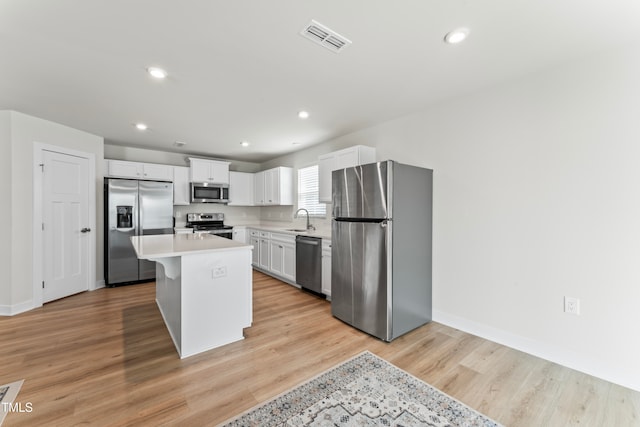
[239, 70]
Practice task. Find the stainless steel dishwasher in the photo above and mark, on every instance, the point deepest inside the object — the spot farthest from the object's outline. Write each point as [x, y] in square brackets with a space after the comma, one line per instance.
[309, 263]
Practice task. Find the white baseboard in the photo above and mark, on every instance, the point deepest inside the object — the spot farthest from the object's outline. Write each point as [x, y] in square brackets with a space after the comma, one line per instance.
[12, 310]
[579, 362]
[99, 284]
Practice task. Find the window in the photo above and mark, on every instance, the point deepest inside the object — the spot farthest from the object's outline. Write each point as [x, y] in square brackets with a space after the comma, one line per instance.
[308, 192]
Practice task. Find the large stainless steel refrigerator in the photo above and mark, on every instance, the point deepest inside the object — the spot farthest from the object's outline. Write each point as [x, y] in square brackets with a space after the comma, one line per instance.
[133, 208]
[381, 247]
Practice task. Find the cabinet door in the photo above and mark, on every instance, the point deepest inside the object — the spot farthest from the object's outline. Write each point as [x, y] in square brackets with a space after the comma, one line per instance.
[289, 261]
[123, 169]
[199, 170]
[326, 271]
[181, 185]
[241, 189]
[326, 165]
[285, 186]
[264, 261]
[277, 257]
[240, 234]
[258, 188]
[157, 172]
[346, 158]
[272, 187]
[219, 172]
[255, 254]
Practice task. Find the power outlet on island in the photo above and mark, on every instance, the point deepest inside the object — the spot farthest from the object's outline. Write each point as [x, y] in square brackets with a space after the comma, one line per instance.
[572, 306]
[219, 271]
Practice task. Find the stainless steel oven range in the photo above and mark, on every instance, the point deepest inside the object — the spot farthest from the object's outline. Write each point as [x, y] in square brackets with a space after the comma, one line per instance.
[212, 223]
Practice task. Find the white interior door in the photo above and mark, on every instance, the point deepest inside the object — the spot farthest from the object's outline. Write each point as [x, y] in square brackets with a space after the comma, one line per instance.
[65, 225]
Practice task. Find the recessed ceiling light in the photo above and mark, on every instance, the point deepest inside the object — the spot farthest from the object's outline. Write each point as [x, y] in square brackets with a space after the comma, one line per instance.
[156, 72]
[456, 36]
[179, 144]
[141, 126]
[303, 114]
[245, 143]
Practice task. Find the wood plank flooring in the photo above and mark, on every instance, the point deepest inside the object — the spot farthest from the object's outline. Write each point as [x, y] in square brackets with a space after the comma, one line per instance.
[105, 358]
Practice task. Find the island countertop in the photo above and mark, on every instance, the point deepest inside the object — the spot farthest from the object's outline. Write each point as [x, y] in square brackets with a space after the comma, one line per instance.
[170, 245]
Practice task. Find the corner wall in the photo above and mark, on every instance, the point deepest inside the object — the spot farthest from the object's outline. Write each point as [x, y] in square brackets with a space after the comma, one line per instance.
[5, 214]
[536, 197]
[25, 130]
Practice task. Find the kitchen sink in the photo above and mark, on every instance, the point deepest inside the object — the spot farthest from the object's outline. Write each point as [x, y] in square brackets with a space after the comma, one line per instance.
[296, 229]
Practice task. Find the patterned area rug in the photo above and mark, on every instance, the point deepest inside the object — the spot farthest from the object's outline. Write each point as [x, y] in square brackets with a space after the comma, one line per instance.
[8, 393]
[363, 391]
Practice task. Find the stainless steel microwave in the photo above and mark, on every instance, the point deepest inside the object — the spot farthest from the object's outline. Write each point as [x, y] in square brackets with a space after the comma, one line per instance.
[203, 192]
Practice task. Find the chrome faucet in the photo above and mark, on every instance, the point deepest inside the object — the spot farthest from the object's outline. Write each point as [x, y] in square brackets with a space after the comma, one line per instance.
[309, 226]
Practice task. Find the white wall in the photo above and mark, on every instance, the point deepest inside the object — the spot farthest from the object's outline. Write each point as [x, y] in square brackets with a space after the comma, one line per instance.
[24, 131]
[536, 197]
[5, 214]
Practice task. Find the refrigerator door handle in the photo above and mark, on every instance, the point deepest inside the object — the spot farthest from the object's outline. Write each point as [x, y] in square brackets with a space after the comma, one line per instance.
[307, 242]
[140, 221]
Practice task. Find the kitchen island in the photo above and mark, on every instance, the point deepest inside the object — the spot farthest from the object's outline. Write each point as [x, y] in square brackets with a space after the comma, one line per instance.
[203, 288]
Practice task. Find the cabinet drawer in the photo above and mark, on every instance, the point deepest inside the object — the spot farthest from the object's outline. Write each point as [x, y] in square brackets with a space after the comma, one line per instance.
[284, 238]
[265, 234]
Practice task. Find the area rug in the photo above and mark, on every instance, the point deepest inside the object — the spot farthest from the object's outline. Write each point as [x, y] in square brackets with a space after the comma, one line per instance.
[363, 391]
[8, 393]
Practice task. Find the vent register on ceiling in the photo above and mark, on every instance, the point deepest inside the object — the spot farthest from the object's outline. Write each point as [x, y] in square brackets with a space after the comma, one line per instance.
[325, 37]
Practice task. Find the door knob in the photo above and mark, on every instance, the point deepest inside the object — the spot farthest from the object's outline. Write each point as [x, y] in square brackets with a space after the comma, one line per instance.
[85, 230]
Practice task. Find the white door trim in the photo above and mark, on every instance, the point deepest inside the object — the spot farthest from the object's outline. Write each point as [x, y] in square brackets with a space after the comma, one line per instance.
[38, 248]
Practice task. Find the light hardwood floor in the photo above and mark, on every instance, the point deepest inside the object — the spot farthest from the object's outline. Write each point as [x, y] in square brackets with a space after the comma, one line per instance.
[105, 358]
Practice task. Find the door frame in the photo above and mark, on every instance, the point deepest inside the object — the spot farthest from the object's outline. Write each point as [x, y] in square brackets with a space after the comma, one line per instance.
[38, 247]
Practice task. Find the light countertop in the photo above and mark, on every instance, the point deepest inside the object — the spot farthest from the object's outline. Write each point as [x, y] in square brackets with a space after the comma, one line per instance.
[322, 233]
[171, 245]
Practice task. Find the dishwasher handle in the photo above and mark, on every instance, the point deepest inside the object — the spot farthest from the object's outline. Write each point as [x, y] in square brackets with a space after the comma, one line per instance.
[308, 242]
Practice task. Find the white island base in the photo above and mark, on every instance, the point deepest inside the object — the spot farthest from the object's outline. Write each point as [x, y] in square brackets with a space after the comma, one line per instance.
[203, 288]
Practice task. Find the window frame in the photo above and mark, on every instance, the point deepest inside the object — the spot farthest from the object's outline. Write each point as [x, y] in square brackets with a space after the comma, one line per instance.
[312, 212]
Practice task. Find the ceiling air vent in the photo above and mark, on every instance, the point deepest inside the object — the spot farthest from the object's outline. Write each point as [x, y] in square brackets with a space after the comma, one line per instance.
[322, 35]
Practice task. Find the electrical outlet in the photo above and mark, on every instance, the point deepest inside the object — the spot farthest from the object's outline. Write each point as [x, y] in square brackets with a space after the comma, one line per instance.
[220, 271]
[572, 305]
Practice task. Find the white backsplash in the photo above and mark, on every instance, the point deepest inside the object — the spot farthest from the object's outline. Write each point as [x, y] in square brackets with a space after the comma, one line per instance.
[237, 215]
[276, 216]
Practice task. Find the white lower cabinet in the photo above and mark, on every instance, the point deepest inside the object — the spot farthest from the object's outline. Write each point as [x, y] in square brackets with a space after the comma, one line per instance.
[326, 267]
[255, 255]
[274, 253]
[240, 234]
[264, 260]
[283, 256]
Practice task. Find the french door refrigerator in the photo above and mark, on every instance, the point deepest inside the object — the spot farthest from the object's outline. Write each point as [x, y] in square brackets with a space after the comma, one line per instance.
[133, 208]
[381, 236]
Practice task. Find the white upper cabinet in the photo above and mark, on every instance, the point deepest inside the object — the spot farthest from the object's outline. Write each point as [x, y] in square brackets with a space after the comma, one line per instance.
[241, 189]
[327, 163]
[211, 171]
[258, 188]
[181, 185]
[137, 170]
[159, 172]
[274, 187]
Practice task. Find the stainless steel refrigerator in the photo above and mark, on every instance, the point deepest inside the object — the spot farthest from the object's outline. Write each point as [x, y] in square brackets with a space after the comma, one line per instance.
[381, 247]
[133, 208]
